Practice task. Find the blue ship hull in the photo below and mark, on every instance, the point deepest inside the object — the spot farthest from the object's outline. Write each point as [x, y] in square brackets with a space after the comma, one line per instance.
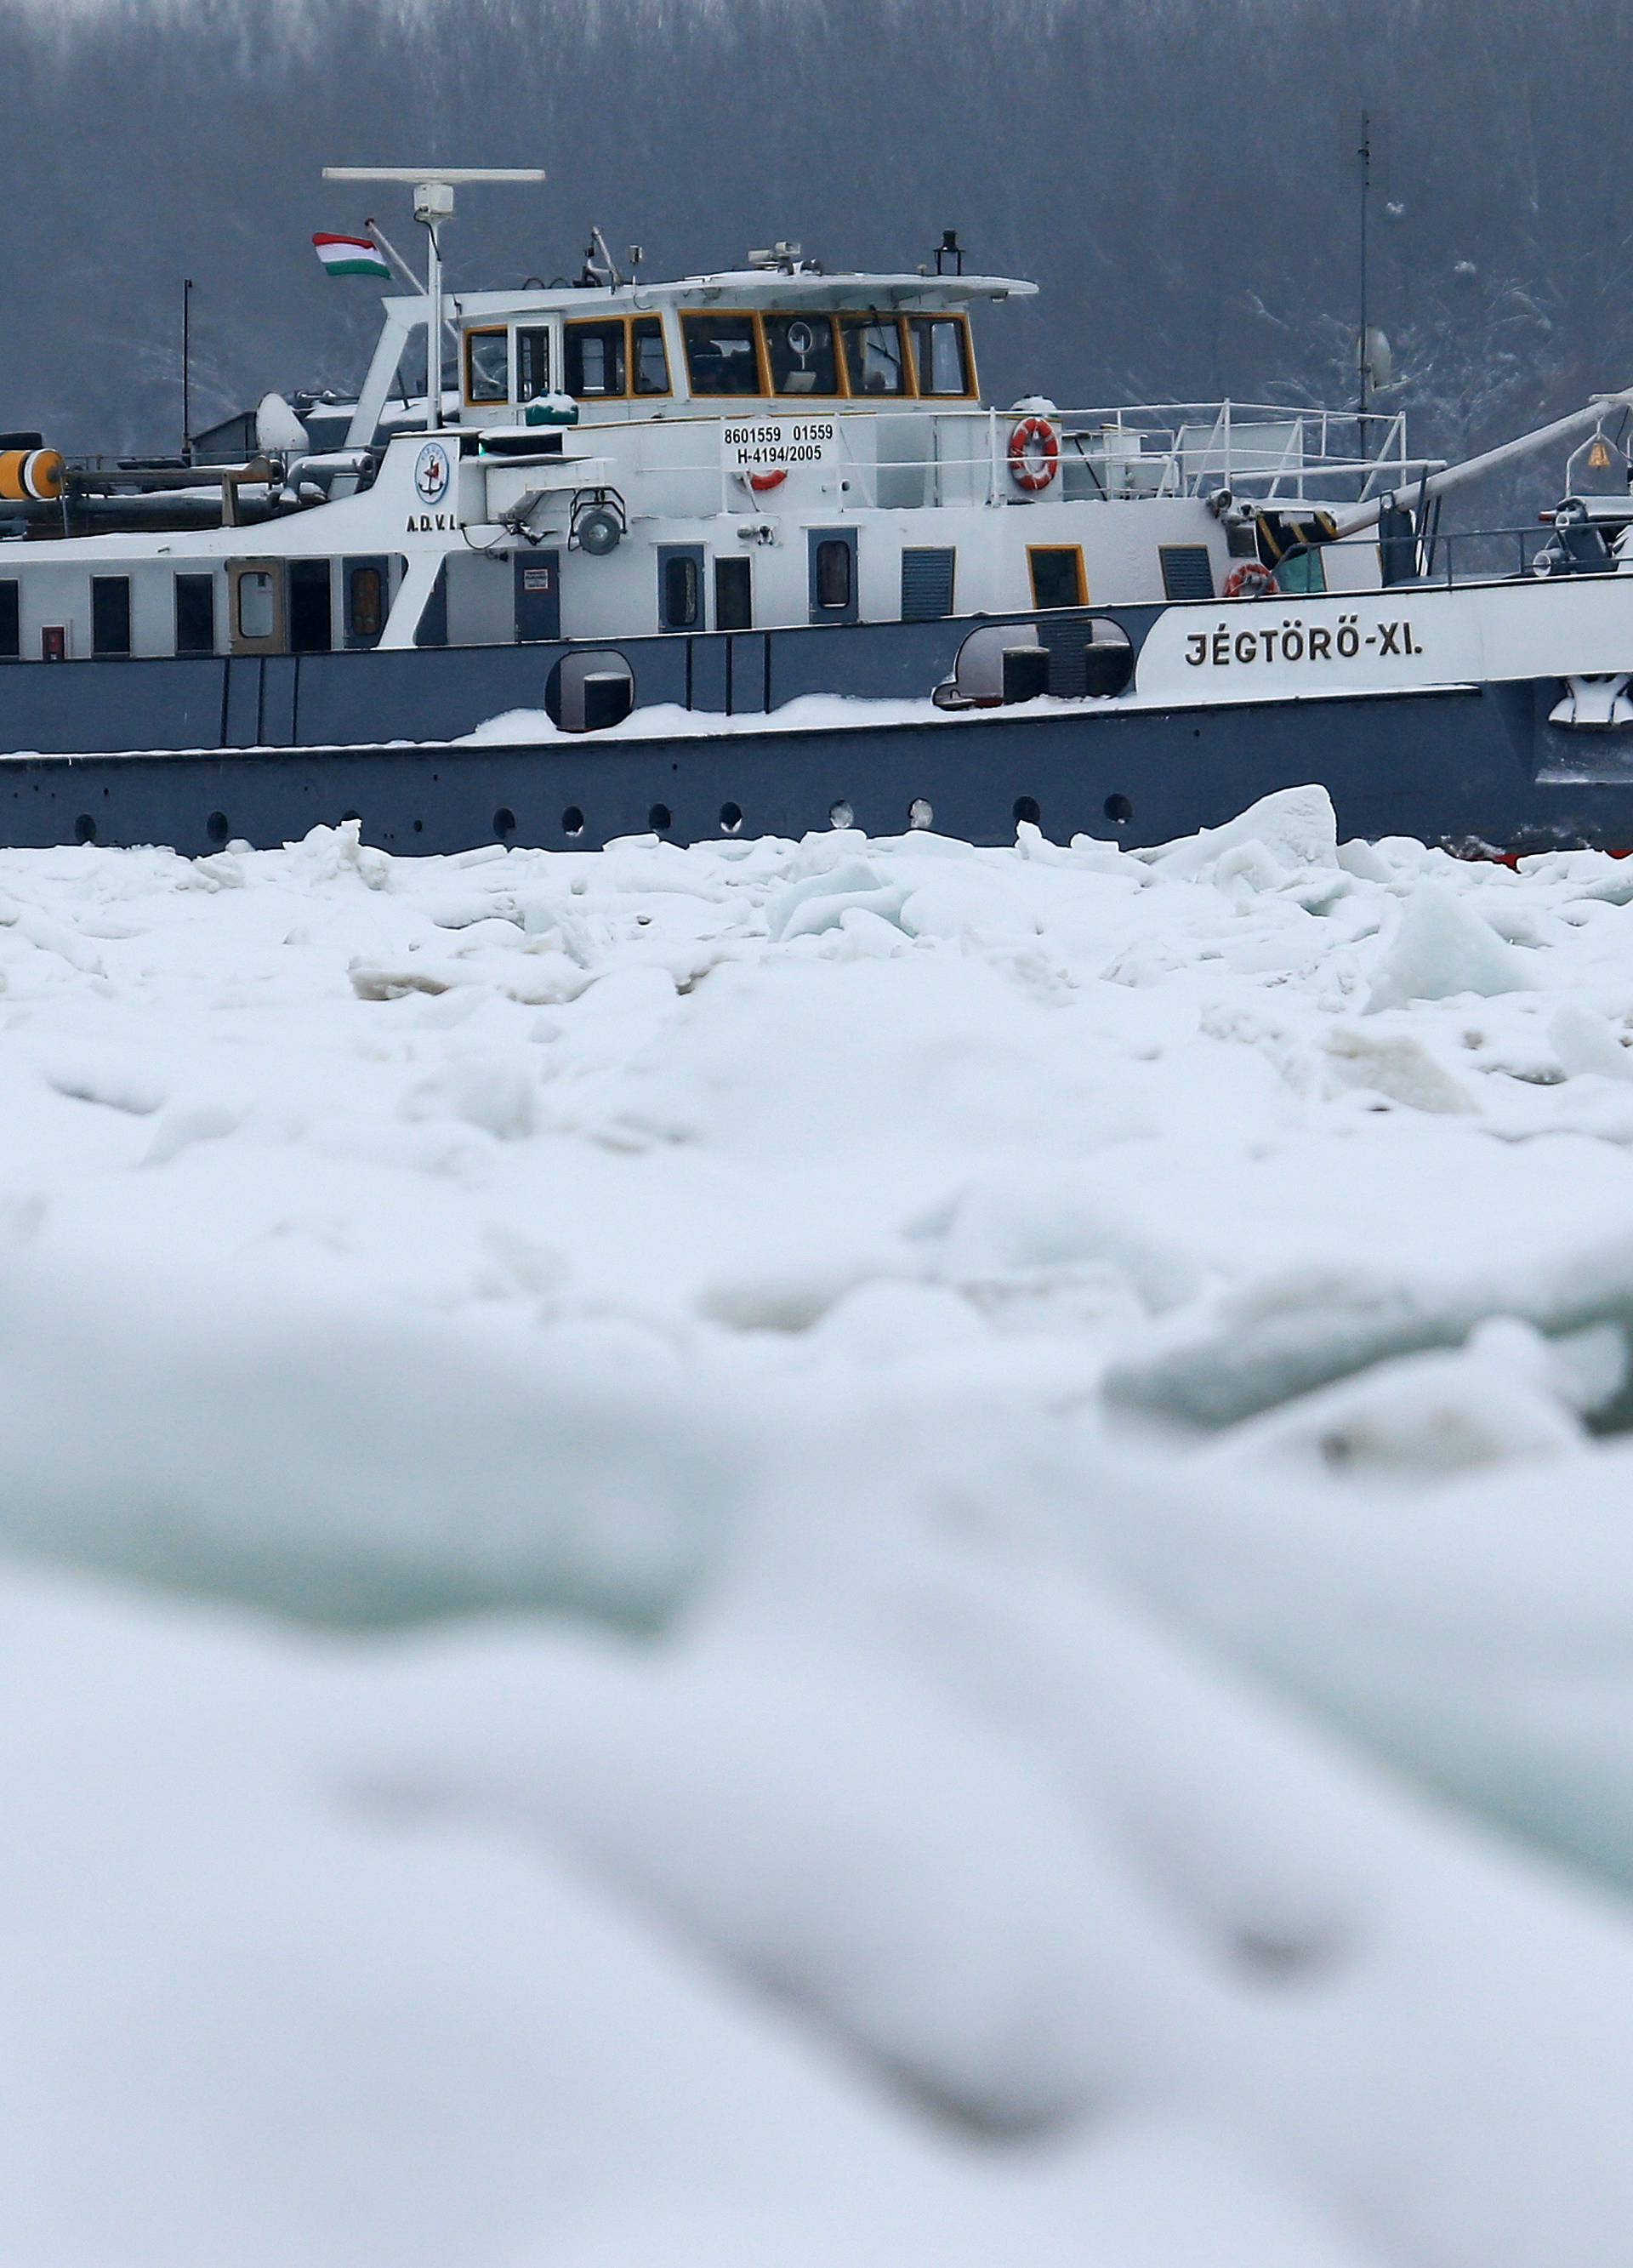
[200, 751]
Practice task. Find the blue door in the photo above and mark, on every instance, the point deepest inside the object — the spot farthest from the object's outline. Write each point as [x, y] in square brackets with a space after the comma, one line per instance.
[833, 574]
[538, 596]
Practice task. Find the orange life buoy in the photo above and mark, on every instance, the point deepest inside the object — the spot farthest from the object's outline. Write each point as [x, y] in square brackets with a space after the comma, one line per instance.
[773, 477]
[1250, 580]
[1033, 455]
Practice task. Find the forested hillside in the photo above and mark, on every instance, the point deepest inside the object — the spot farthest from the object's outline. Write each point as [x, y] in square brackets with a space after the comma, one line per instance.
[1179, 175]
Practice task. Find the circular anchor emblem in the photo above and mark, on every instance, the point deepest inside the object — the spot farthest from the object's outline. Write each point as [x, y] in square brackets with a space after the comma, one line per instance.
[431, 474]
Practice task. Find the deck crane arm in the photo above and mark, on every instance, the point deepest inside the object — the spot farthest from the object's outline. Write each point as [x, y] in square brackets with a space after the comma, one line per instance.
[1354, 518]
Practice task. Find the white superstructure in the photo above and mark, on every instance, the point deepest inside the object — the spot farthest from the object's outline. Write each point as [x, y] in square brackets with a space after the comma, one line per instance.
[769, 447]
[765, 447]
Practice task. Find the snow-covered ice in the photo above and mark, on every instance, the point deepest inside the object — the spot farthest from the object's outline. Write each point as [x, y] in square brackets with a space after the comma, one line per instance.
[817, 1554]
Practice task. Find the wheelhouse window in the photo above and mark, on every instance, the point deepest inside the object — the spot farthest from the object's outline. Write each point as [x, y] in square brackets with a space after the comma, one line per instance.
[532, 364]
[595, 360]
[873, 360]
[195, 613]
[11, 623]
[110, 614]
[940, 353]
[801, 351]
[649, 361]
[1058, 578]
[722, 354]
[487, 366]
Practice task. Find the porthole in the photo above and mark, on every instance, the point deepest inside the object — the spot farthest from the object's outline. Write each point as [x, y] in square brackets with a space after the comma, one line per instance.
[1119, 810]
[840, 815]
[84, 829]
[504, 821]
[731, 818]
[217, 827]
[920, 814]
[1026, 812]
[660, 819]
[572, 820]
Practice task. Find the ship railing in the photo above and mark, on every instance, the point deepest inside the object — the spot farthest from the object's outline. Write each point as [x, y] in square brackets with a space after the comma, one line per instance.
[1264, 450]
[1461, 556]
[1269, 452]
[1273, 451]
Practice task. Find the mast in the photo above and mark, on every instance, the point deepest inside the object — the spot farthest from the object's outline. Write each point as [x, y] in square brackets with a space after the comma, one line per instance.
[433, 190]
[433, 204]
[1365, 153]
[186, 370]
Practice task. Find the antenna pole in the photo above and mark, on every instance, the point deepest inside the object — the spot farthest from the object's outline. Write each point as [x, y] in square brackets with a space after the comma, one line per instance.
[433, 190]
[433, 328]
[186, 370]
[1366, 155]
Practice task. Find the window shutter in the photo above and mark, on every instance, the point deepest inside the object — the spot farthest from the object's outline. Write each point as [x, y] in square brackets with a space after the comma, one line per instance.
[1186, 570]
[927, 584]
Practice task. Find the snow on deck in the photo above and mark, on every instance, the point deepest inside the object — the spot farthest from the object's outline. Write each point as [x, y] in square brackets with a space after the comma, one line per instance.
[841, 1555]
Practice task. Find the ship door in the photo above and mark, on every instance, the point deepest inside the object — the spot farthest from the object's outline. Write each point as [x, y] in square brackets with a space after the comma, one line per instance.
[310, 606]
[538, 596]
[366, 587]
[833, 574]
[255, 606]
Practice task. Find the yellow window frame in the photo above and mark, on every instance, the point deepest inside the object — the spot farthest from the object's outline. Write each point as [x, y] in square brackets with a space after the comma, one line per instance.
[899, 322]
[909, 360]
[484, 331]
[762, 371]
[876, 318]
[841, 391]
[1074, 551]
[667, 390]
[578, 322]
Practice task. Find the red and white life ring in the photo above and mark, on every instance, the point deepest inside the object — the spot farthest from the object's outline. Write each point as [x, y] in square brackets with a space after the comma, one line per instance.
[1033, 455]
[1250, 580]
[762, 484]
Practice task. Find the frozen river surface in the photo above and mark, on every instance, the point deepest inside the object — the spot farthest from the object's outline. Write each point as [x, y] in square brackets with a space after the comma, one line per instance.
[843, 1555]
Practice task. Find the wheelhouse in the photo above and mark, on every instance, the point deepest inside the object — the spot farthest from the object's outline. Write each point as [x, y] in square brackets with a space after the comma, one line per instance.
[782, 338]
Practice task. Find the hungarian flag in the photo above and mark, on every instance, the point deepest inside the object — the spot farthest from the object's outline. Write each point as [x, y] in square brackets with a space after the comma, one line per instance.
[351, 256]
